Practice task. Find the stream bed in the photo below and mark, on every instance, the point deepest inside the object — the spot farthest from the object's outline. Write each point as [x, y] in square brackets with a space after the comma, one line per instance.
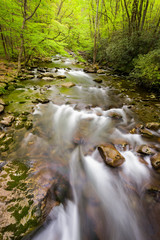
[80, 157]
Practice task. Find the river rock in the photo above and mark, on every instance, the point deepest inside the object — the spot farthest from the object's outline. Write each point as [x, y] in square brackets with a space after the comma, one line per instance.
[19, 124]
[153, 125]
[1, 108]
[146, 133]
[111, 156]
[28, 125]
[42, 100]
[47, 78]
[97, 80]
[68, 84]
[49, 75]
[3, 148]
[101, 71]
[61, 76]
[2, 102]
[2, 135]
[8, 140]
[155, 161]
[7, 121]
[114, 115]
[144, 149]
[90, 70]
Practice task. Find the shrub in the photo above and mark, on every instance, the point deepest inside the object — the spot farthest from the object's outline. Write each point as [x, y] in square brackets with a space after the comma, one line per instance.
[147, 69]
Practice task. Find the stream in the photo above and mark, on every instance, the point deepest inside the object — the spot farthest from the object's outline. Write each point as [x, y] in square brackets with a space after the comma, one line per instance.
[61, 177]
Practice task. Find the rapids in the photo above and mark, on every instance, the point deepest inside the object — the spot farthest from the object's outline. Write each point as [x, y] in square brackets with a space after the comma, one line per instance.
[106, 203]
[64, 180]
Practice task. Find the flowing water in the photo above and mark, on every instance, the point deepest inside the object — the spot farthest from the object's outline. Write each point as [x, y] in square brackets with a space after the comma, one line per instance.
[104, 203]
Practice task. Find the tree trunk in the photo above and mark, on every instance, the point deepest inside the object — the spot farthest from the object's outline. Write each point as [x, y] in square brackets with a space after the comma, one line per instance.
[96, 33]
[4, 44]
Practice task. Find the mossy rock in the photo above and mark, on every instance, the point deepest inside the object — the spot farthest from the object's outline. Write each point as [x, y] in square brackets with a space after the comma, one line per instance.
[28, 125]
[19, 124]
[4, 148]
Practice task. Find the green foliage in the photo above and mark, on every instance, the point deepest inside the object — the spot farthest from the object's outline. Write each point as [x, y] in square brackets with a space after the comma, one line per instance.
[147, 69]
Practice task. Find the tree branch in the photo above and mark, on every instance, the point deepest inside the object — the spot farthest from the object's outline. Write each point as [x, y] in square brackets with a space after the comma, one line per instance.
[34, 11]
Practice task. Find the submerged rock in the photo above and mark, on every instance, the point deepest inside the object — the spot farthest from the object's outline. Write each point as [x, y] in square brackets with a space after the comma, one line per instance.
[155, 161]
[7, 121]
[68, 84]
[111, 156]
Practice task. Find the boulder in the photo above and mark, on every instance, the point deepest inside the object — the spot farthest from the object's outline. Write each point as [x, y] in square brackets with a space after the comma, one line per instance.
[153, 125]
[110, 155]
[144, 149]
[68, 84]
[7, 121]
[155, 161]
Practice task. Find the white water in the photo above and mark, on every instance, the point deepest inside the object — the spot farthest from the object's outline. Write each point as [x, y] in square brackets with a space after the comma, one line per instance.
[115, 192]
[122, 219]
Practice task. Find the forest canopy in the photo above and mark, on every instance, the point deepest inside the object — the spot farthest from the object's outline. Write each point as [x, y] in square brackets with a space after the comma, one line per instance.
[122, 34]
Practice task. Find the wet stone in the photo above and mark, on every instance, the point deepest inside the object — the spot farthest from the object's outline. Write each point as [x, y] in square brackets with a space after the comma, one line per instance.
[8, 140]
[1, 108]
[3, 148]
[49, 75]
[111, 156]
[61, 77]
[146, 133]
[153, 125]
[68, 84]
[101, 71]
[2, 135]
[97, 80]
[144, 149]
[43, 101]
[47, 79]
[19, 124]
[7, 121]
[2, 102]
[155, 161]
[28, 125]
